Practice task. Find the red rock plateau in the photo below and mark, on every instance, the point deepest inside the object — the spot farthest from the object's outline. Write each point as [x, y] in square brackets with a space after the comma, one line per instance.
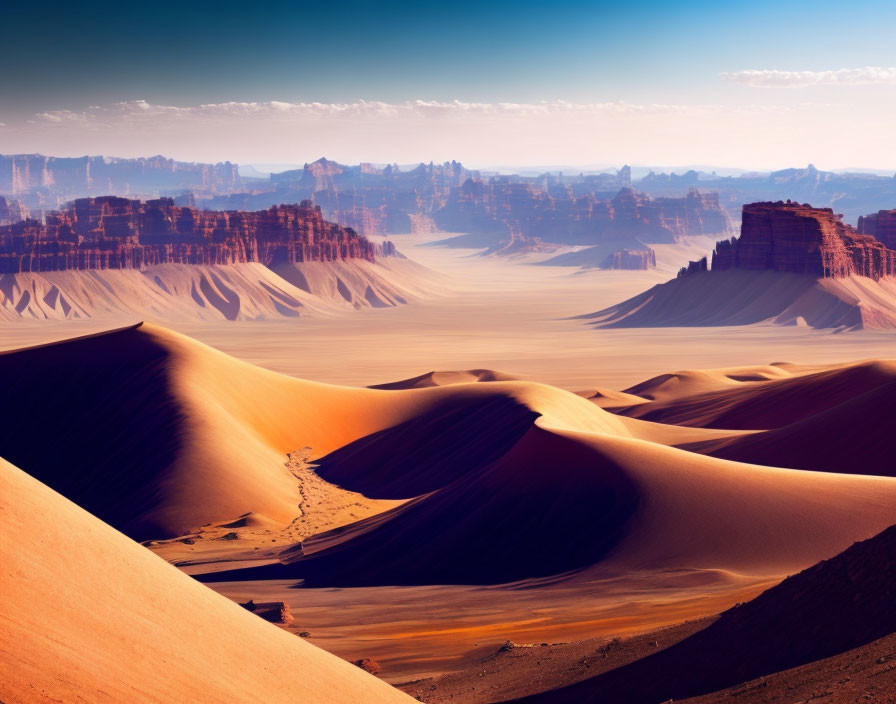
[792, 264]
[116, 233]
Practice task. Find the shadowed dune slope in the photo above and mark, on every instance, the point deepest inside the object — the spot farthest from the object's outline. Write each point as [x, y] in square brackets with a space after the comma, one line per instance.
[836, 605]
[854, 437]
[740, 297]
[158, 434]
[87, 615]
[564, 500]
[755, 404]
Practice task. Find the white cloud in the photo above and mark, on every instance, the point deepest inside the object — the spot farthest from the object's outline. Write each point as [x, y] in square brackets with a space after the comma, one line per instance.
[868, 75]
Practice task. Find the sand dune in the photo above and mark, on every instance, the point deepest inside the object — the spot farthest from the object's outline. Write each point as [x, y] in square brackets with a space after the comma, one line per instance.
[178, 292]
[503, 478]
[203, 437]
[757, 398]
[852, 437]
[87, 615]
[832, 607]
[445, 379]
[739, 297]
[563, 500]
[157, 434]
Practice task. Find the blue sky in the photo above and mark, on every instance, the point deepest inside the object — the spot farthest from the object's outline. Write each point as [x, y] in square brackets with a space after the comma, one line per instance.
[69, 57]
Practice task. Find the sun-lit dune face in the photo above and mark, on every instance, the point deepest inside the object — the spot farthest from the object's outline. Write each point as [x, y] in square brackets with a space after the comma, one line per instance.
[88, 615]
[205, 437]
[181, 293]
[502, 479]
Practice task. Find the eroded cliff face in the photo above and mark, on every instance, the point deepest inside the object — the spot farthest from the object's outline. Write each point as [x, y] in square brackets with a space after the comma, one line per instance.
[117, 233]
[74, 177]
[790, 237]
[559, 215]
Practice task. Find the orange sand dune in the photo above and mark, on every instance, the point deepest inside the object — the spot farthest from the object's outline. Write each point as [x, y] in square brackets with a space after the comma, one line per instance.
[505, 477]
[739, 297]
[158, 434]
[756, 401]
[562, 500]
[86, 615]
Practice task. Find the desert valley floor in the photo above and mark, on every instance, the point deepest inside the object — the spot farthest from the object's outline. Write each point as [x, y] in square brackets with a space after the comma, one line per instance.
[681, 530]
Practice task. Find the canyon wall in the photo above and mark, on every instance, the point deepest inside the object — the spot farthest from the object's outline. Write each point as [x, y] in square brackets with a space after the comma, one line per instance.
[110, 232]
[790, 237]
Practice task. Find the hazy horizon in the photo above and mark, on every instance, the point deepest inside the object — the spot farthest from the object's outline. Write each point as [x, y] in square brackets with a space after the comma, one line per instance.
[755, 86]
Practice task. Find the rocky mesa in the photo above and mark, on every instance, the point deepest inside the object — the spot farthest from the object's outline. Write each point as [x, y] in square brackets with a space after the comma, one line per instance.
[788, 236]
[117, 233]
[792, 264]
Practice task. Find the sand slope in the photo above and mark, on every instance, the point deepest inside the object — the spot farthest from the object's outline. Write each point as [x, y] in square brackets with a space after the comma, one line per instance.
[86, 615]
[834, 606]
[738, 297]
[178, 292]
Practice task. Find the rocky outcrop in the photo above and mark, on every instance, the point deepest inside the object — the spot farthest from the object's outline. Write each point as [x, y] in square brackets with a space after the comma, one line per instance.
[88, 175]
[117, 233]
[560, 216]
[880, 225]
[630, 259]
[11, 211]
[800, 239]
[272, 611]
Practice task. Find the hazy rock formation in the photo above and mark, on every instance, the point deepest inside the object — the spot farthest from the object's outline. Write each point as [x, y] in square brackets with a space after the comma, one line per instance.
[881, 225]
[853, 194]
[630, 259]
[118, 233]
[559, 215]
[11, 211]
[89, 175]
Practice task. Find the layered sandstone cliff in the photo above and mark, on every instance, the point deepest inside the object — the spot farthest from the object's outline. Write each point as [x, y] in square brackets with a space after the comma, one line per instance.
[800, 239]
[117, 233]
